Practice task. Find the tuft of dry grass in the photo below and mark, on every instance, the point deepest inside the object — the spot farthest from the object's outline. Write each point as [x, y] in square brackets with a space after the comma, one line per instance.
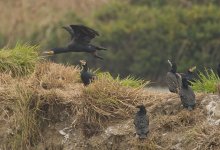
[109, 100]
[51, 75]
[54, 93]
[202, 137]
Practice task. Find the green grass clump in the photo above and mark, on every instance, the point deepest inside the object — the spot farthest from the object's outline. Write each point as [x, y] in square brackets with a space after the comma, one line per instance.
[207, 82]
[19, 60]
[129, 81]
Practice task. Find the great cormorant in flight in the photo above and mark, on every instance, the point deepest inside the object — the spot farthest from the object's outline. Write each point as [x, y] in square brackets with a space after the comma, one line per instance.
[141, 122]
[187, 95]
[81, 37]
[173, 78]
[86, 76]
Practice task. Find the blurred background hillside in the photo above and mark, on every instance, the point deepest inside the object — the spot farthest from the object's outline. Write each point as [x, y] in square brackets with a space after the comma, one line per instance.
[140, 34]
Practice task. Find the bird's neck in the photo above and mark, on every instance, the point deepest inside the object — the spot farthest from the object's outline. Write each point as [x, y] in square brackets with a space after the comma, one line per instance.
[85, 68]
[185, 85]
[58, 50]
[190, 72]
[142, 111]
[173, 70]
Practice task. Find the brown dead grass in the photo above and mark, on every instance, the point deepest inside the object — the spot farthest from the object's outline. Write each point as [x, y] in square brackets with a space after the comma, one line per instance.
[53, 93]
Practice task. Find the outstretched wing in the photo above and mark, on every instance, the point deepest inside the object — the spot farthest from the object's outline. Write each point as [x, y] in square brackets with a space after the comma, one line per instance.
[83, 34]
[71, 32]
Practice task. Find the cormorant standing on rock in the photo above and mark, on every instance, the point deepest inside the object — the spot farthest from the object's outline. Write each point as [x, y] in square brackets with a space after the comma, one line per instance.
[187, 95]
[218, 70]
[86, 76]
[81, 37]
[189, 75]
[141, 122]
[173, 79]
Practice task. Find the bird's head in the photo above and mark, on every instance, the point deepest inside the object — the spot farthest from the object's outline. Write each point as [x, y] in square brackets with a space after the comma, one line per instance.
[192, 69]
[83, 62]
[141, 107]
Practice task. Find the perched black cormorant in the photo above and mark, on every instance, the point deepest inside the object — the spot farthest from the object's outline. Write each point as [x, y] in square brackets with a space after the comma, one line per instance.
[141, 122]
[218, 70]
[187, 95]
[86, 76]
[81, 37]
[189, 75]
[173, 78]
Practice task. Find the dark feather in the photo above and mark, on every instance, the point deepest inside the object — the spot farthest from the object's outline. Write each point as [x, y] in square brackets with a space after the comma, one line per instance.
[83, 34]
[141, 122]
[86, 76]
[187, 95]
[173, 82]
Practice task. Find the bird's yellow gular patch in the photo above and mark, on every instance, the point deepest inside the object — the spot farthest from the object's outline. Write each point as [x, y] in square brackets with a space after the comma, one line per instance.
[48, 52]
[192, 69]
[83, 62]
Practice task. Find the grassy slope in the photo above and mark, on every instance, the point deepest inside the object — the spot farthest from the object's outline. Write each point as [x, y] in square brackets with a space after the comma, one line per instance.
[52, 95]
[208, 82]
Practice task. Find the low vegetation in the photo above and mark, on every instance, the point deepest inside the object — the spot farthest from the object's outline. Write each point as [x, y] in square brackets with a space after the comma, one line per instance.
[207, 81]
[30, 103]
[52, 94]
[20, 60]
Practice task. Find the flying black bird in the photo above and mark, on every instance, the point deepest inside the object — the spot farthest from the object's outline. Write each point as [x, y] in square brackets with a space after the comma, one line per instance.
[86, 76]
[173, 78]
[141, 122]
[81, 37]
[218, 70]
[189, 75]
[187, 95]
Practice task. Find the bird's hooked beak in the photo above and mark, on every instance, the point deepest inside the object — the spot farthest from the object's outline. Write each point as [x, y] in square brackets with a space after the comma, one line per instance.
[83, 62]
[49, 52]
[170, 62]
[192, 69]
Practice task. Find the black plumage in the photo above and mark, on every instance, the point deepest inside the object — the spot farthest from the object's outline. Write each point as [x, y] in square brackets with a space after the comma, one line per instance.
[86, 76]
[173, 79]
[187, 95]
[141, 122]
[189, 75]
[218, 70]
[81, 37]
